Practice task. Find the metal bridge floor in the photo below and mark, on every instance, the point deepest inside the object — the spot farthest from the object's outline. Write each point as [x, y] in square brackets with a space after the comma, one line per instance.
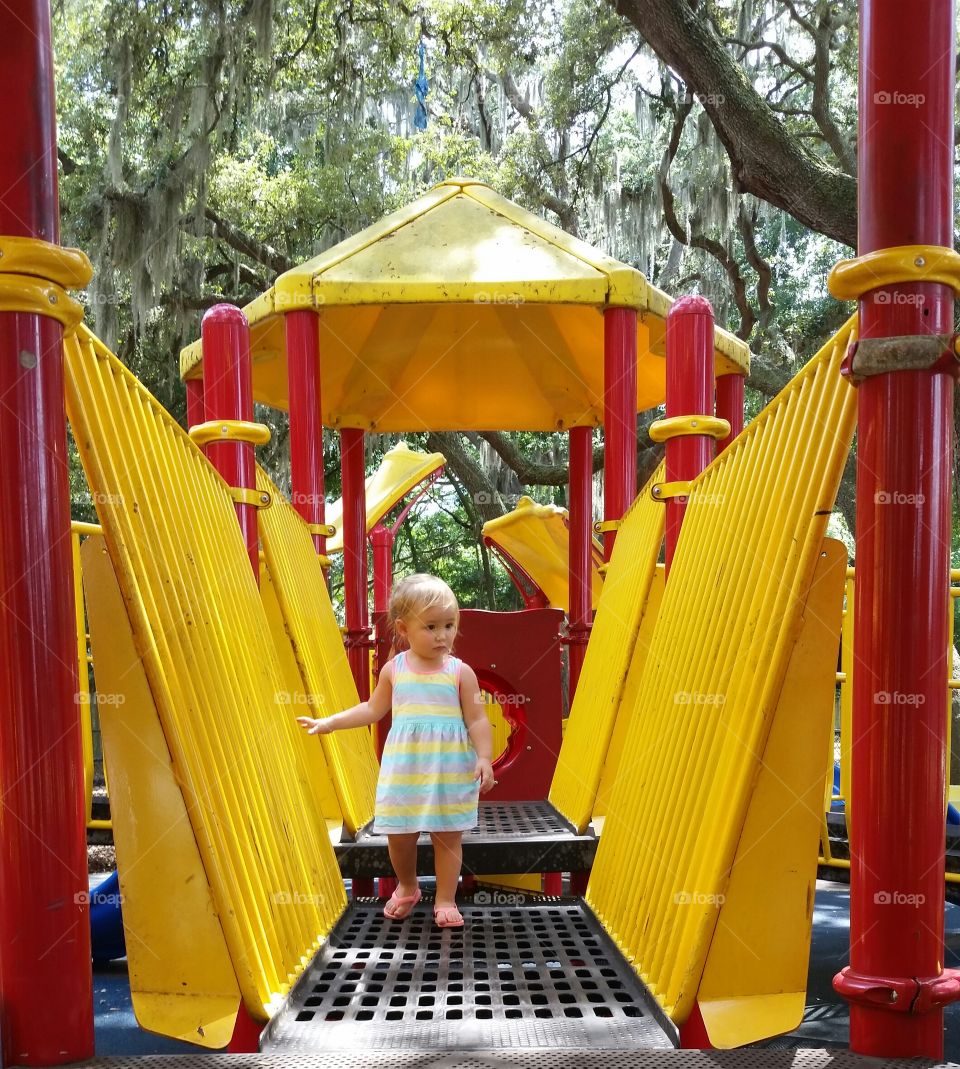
[538, 974]
[533, 1058]
[509, 837]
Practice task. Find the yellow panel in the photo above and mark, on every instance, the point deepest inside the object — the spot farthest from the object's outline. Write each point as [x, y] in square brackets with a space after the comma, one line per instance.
[596, 704]
[537, 537]
[629, 702]
[730, 616]
[507, 884]
[401, 470]
[83, 678]
[181, 977]
[846, 698]
[459, 295]
[754, 982]
[295, 697]
[201, 632]
[317, 644]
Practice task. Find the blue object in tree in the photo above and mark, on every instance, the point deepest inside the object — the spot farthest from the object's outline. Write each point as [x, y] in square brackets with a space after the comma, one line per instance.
[421, 87]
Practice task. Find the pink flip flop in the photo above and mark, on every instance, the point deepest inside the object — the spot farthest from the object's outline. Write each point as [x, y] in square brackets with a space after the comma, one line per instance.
[403, 905]
[448, 917]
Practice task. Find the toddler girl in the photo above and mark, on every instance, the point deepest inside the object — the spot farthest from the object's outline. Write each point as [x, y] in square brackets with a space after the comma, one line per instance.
[437, 755]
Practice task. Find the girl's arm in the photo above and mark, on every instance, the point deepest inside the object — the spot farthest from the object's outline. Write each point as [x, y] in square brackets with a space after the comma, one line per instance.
[478, 726]
[369, 712]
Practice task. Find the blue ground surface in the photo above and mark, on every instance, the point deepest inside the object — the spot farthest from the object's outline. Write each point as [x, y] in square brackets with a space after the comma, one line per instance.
[826, 1022]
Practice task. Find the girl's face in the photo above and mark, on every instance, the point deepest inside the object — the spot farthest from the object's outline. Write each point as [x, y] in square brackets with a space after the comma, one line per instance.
[430, 634]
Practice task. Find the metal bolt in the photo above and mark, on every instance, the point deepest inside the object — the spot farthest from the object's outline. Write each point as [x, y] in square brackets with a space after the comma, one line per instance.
[224, 429]
[52, 298]
[894, 996]
[27, 359]
[693, 423]
[493, 666]
[265, 500]
[920, 262]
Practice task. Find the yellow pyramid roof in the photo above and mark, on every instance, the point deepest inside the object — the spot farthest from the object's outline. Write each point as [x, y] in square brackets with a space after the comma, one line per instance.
[461, 311]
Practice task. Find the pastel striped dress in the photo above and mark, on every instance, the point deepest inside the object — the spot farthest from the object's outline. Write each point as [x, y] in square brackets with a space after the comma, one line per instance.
[427, 773]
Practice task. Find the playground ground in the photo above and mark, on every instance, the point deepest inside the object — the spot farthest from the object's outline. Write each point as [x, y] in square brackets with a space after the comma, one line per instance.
[825, 1024]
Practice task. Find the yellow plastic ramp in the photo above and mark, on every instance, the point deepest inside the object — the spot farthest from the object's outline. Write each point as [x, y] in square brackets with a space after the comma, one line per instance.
[400, 470]
[200, 633]
[537, 538]
[596, 705]
[312, 631]
[711, 835]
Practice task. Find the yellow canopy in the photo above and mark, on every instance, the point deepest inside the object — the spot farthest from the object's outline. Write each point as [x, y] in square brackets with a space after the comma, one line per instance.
[461, 311]
[538, 539]
[401, 469]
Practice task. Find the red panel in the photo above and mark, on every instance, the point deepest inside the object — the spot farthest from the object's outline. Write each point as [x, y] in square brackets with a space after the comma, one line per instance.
[518, 654]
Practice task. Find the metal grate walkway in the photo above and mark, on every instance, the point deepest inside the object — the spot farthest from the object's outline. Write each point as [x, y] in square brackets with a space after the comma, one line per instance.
[510, 837]
[537, 974]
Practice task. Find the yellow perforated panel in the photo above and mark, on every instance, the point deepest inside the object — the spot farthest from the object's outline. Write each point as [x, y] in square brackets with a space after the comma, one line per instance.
[596, 704]
[312, 629]
[727, 625]
[200, 630]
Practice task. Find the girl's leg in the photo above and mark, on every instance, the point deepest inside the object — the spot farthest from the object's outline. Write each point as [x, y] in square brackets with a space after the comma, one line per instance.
[403, 857]
[448, 855]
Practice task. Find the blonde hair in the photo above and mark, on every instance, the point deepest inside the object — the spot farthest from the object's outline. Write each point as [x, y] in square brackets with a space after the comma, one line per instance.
[417, 594]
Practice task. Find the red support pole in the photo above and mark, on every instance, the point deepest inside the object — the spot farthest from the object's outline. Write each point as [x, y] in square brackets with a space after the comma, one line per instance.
[619, 416]
[228, 395]
[46, 992]
[382, 538]
[195, 409]
[357, 637]
[580, 609]
[306, 419]
[689, 393]
[730, 406]
[902, 544]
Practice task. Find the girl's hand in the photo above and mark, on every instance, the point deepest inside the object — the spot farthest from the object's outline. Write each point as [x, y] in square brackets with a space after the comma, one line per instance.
[484, 773]
[323, 726]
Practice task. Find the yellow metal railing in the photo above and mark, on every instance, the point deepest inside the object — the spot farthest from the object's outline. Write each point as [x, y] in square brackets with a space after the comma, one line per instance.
[314, 634]
[597, 709]
[84, 698]
[204, 650]
[708, 705]
[844, 678]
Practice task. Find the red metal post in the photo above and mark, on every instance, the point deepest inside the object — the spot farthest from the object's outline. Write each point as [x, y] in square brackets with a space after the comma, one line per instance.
[580, 611]
[382, 538]
[730, 406]
[306, 418]
[357, 637]
[689, 393]
[228, 395]
[902, 545]
[195, 409]
[46, 996]
[619, 416]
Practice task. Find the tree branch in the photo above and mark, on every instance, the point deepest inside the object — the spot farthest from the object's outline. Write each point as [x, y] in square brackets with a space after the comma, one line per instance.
[249, 246]
[766, 160]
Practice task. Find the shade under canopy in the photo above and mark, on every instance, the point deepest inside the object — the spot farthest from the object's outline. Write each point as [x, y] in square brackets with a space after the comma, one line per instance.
[462, 311]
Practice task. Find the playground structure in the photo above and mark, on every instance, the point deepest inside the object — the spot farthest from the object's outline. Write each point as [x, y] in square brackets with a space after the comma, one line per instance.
[750, 611]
